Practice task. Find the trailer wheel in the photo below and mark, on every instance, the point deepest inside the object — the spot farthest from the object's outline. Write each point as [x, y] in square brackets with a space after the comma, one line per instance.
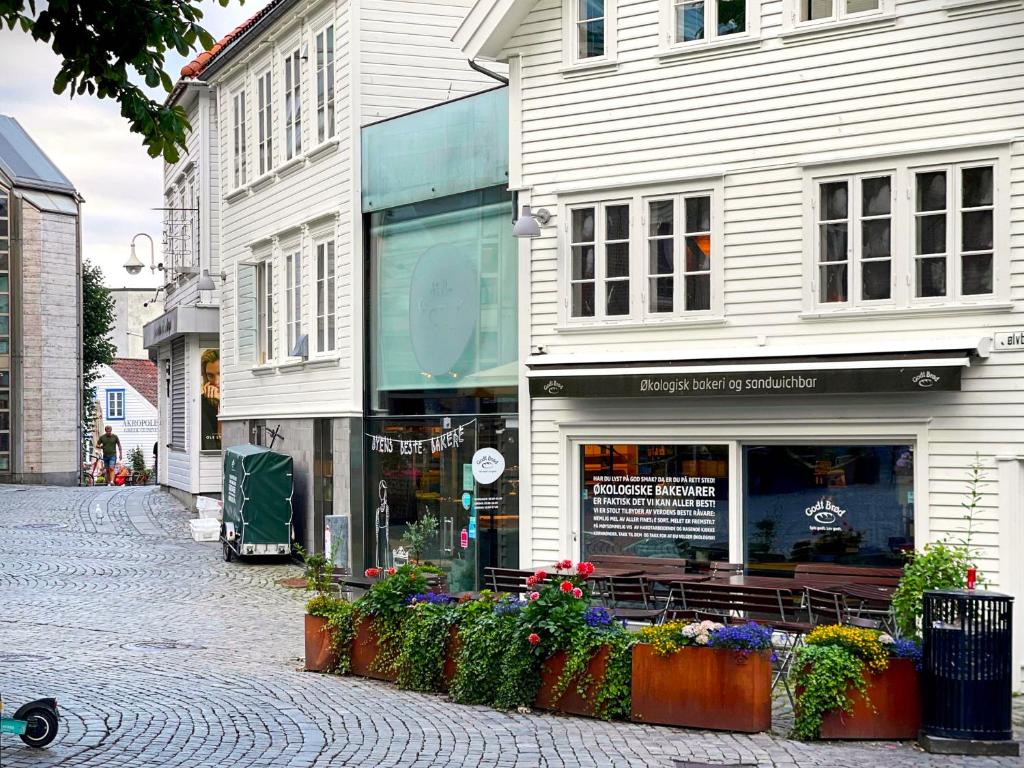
[227, 552]
[42, 727]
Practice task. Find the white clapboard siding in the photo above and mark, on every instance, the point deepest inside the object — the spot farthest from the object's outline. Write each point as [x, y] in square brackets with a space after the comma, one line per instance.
[140, 426]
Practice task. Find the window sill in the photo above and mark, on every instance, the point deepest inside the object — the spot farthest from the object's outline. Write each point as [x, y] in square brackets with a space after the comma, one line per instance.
[290, 167]
[980, 7]
[236, 194]
[261, 181]
[640, 325]
[715, 50]
[589, 69]
[838, 29]
[920, 311]
[296, 365]
[323, 148]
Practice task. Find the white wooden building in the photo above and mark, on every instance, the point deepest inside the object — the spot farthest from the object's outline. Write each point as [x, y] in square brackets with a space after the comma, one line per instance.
[824, 189]
[126, 400]
[293, 86]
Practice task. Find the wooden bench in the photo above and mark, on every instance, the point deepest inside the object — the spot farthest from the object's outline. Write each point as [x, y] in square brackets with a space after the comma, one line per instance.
[817, 574]
[645, 564]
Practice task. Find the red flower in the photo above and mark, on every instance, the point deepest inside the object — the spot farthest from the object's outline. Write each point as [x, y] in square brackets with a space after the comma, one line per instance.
[392, 571]
[533, 639]
[539, 576]
[577, 593]
[585, 569]
[531, 580]
[565, 586]
[563, 564]
[371, 573]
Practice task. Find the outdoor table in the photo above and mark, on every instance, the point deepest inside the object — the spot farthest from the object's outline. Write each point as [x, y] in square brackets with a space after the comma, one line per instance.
[676, 577]
[768, 582]
[353, 580]
[604, 573]
[869, 592]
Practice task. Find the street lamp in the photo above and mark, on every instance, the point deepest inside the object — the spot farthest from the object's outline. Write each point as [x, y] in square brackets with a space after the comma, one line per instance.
[528, 225]
[133, 266]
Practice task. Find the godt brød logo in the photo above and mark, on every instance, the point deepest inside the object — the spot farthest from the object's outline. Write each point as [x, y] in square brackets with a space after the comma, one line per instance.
[926, 379]
[553, 387]
[825, 512]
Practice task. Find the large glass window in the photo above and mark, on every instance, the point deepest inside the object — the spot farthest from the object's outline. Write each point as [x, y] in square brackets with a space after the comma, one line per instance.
[848, 504]
[655, 500]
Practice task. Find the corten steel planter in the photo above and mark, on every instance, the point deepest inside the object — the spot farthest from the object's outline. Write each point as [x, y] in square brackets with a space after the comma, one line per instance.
[451, 658]
[571, 702]
[320, 655]
[365, 647]
[703, 688]
[896, 697]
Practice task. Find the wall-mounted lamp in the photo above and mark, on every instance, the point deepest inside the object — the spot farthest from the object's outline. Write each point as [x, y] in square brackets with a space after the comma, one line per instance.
[134, 266]
[529, 223]
[205, 282]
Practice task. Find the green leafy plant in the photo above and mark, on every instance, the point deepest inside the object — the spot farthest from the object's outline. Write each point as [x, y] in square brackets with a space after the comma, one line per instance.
[417, 534]
[384, 603]
[318, 572]
[137, 461]
[612, 694]
[424, 644]
[824, 676]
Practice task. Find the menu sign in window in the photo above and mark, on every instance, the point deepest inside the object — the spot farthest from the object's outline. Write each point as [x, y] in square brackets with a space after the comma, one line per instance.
[655, 500]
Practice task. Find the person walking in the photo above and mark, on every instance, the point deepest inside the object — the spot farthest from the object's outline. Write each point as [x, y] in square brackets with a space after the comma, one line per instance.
[111, 445]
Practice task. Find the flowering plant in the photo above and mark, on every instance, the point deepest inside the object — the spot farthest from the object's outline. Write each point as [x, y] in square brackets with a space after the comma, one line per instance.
[555, 607]
[430, 598]
[744, 638]
[864, 644]
[670, 637]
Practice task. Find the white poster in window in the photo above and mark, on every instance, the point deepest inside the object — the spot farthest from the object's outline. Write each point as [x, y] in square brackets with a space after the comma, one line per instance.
[488, 464]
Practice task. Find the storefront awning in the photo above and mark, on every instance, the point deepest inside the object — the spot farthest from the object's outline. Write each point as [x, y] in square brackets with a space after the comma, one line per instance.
[179, 321]
[776, 372]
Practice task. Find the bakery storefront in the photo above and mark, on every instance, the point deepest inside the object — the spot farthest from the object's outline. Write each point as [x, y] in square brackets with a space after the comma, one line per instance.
[771, 462]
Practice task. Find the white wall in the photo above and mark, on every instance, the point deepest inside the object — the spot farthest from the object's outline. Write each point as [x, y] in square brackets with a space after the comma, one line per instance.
[140, 425]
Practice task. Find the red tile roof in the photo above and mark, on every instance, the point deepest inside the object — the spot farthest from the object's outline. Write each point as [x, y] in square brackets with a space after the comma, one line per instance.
[140, 374]
[195, 67]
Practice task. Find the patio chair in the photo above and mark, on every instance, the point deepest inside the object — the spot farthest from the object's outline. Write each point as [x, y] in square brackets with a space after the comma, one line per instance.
[826, 607]
[507, 580]
[630, 598]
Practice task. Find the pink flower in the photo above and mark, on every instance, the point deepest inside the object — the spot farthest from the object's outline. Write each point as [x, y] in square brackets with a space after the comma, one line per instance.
[533, 639]
[534, 595]
[565, 586]
[530, 581]
[371, 573]
[577, 593]
[392, 571]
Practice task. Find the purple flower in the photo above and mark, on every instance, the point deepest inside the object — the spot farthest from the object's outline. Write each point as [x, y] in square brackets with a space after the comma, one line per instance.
[507, 606]
[905, 648]
[742, 637]
[431, 598]
[597, 617]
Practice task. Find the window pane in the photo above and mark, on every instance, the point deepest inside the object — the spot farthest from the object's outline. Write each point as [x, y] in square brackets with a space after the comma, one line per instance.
[977, 274]
[583, 262]
[591, 39]
[5, 400]
[931, 234]
[617, 297]
[977, 231]
[833, 283]
[833, 242]
[877, 238]
[590, 9]
[583, 300]
[698, 253]
[877, 198]
[5, 441]
[977, 187]
[698, 293]
[732, 16]
[661, 299]
[690, 22]
[834, 201]
[931, 191]
[617, 222]
[860, 6]
[661, 217]
[815, 9]
[876, 284]
[931, 277]
[661, 256]
[698, 214]
[617, 260]
[583, 225]
[5, 304]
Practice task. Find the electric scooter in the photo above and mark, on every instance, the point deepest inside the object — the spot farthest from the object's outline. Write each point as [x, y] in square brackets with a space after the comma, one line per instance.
[35, 722]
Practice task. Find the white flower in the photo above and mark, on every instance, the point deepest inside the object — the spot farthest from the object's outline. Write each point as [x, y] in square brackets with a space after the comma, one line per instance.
[886, 639]
[702, 640]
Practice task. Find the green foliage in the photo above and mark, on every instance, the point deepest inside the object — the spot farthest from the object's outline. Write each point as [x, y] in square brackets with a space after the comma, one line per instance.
[319, 573]
[105, 44]
[555, 616]
[384, 603]
[612, 694]
[826, 675]
[417, 534]
[338, 613]
[137, 460]
[97, 323]
[424, 644]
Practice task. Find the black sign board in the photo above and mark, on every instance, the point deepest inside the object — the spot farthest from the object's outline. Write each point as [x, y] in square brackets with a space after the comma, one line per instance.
[684, 384]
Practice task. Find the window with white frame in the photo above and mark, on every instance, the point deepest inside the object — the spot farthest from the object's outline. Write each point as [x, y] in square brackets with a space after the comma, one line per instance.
[599, 260]
[265, 310]
[292, 105]
[910, 234]
[813, 11]
[679, 254]
[293, 298]
[588, 32]
[325, 83]
[264, 123]
[238, 138]
[115, 405]
[704, 21]
[325, 296]
[590, 26]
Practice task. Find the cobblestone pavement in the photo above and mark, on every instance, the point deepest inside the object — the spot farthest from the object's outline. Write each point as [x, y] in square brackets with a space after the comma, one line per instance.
[164, 656]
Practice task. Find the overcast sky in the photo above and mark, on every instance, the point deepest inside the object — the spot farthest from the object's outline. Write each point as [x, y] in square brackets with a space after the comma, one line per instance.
[90, 142]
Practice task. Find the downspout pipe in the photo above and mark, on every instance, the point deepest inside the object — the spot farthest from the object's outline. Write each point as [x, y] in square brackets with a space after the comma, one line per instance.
[484, 71]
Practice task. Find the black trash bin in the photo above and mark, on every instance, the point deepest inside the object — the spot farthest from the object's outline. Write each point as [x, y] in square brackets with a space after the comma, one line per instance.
[966, 675]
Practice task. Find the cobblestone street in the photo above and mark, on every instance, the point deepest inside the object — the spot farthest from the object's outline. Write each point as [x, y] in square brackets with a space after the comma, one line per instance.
[162, 655]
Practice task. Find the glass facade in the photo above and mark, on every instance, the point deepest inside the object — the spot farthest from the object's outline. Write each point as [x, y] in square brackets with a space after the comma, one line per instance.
[5, 330]
[848, 504]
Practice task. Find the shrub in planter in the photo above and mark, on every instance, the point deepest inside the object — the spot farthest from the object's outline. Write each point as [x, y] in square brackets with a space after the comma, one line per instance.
[329, 632]
[856, 683]
[424, 642]
[704, 675]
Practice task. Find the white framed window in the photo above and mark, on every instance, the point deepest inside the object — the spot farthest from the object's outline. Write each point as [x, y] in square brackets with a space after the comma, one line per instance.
[264, 122]
[265, 311]
[292, 105]
[325, 318]
[325, 83]
[589, 31]
[692, 23]
[238, 138]
[814, 12]
[293, 298]
[599, 261]
[908, 233]
[679, 257]
[115, 405]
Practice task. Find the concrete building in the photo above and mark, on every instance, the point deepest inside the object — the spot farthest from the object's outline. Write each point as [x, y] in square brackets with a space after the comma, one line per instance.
[40, 315]
[133, 308]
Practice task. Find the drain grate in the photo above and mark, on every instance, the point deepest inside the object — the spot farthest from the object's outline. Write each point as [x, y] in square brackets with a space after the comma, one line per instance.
[22, 658]
[40, 526]
[161, 645]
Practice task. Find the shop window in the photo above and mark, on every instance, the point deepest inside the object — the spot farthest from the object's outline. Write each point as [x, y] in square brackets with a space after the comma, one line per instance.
[852, 505]
[655, 500]
[115, 405]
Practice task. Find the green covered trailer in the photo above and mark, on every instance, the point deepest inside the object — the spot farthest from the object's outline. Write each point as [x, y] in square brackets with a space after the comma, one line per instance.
[257, 502]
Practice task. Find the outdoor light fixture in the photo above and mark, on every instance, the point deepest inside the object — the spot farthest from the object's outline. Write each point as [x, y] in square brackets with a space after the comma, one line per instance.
[205, 282]
[134, 266]
[529, 224]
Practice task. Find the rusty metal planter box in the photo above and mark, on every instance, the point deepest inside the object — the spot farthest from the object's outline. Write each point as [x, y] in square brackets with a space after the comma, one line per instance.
[320, 655]
[571, 702]
[365, 647]
[894, 711]
[703, 688]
